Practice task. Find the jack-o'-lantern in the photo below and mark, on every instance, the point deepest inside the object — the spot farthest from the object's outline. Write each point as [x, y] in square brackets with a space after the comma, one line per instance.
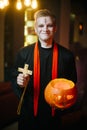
[60, 93]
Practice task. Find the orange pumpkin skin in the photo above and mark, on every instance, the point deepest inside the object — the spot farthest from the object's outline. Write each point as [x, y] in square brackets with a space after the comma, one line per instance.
[60, 93]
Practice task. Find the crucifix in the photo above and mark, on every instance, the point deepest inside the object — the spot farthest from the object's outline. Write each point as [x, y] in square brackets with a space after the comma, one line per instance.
[24, 71]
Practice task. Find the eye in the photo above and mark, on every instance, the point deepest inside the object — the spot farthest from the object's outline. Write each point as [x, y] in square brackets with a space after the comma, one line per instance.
[50, 25]
[70, 97]
[41, 25]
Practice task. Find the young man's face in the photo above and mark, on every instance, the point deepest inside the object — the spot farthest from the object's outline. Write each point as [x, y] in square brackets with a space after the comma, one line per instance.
[45, 28]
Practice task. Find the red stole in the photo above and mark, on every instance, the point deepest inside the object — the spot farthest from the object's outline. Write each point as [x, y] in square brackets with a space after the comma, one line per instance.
[37, 74]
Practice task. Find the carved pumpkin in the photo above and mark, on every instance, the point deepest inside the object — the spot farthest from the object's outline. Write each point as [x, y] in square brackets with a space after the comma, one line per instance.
[60, 93]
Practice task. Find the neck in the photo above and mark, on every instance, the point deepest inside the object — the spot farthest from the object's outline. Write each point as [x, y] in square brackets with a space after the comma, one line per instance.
[46, 44]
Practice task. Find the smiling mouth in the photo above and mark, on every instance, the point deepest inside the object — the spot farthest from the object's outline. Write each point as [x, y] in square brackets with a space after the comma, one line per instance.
[45, 33]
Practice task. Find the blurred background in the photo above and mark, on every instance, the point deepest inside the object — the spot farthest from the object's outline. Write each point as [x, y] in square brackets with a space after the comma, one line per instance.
[16, 30]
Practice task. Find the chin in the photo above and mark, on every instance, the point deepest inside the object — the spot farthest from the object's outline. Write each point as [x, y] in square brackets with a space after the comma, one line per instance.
[45, 38]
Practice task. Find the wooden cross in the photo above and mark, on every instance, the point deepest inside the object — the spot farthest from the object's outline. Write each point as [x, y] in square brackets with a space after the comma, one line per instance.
[25, 70]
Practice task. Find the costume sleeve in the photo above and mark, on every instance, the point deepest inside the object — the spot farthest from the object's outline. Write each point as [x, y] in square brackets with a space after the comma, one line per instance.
[67, 65]
[72, 69]
[17, 63]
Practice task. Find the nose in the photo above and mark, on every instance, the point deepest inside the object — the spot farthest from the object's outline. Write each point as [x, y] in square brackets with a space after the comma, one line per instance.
[45, 28]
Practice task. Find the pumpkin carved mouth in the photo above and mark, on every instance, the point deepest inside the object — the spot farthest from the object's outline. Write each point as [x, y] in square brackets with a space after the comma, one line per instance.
[60, 93]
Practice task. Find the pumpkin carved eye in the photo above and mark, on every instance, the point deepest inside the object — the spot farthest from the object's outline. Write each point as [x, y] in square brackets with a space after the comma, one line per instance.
[69, 97]
[60, 93]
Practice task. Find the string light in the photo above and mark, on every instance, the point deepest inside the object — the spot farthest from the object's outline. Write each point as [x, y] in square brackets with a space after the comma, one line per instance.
[34, 4]
[27, 3]
[4, 3]
[19, 4]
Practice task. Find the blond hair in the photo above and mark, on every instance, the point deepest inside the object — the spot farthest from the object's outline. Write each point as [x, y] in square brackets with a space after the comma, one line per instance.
[45, 13]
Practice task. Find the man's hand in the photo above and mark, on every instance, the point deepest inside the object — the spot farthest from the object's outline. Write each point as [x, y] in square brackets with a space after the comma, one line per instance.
[22, 80]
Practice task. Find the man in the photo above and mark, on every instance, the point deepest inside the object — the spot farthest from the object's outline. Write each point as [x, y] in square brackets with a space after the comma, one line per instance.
[47, 60]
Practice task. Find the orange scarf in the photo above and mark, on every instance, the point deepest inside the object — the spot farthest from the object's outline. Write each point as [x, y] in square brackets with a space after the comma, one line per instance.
[37, 74]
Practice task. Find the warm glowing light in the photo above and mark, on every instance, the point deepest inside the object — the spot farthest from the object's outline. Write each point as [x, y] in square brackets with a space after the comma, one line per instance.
[29, 33]
[3, 3]
[60, 93]
[80, 27]
[34, 4]
[27, 2]
[6, 2]
[19, 5]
